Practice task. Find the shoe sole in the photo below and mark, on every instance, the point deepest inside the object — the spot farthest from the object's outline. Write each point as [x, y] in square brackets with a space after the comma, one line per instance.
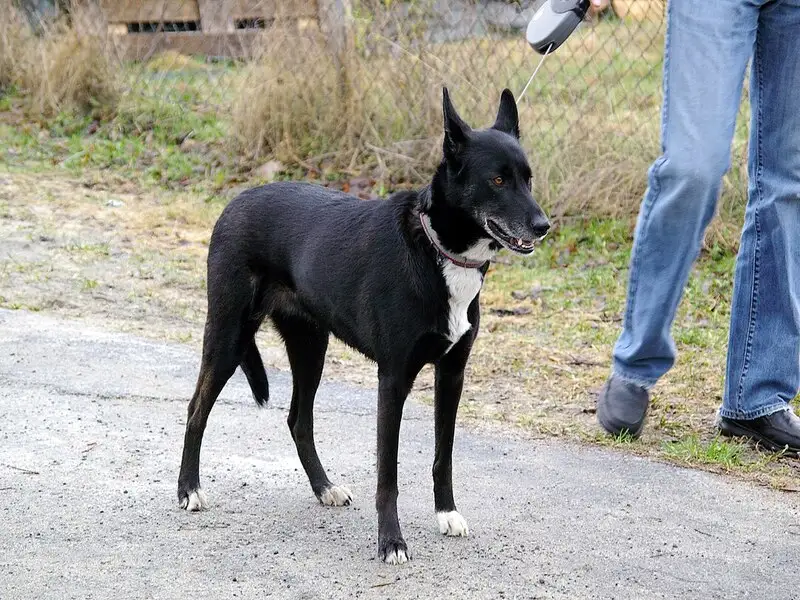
[734, 430]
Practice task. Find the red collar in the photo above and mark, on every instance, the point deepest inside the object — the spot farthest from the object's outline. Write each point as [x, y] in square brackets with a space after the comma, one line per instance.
[458, 260]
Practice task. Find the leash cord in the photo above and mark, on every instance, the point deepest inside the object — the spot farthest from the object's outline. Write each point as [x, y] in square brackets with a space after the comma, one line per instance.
[536, 70]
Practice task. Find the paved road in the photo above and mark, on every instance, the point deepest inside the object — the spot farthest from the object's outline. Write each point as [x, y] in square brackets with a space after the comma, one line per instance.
[90, 440]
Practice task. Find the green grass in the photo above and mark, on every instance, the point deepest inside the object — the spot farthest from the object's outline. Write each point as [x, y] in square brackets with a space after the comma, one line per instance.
[582, 269]
[147, 152]
[716, 451]
[623, 437]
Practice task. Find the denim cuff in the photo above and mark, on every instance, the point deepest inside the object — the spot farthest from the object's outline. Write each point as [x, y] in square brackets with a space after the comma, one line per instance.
[648, 385]
[754, 414]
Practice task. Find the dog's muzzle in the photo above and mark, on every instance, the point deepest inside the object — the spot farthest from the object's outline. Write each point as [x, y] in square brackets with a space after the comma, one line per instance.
[518, 244]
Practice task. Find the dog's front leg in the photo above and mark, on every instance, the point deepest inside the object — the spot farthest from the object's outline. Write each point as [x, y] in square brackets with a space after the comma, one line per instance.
[449, 383]
[392, 392]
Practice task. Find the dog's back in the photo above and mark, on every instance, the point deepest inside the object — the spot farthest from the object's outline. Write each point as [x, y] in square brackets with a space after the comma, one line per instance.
[272, 222]
[329, 257]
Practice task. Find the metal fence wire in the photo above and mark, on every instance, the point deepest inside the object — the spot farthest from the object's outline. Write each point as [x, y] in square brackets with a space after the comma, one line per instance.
[597, 98]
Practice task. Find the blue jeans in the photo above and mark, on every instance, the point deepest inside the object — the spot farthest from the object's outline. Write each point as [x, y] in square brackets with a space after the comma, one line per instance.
[708, 46]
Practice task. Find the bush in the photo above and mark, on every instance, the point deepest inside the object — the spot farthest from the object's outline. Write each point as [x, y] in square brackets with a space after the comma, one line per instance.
[58, 70]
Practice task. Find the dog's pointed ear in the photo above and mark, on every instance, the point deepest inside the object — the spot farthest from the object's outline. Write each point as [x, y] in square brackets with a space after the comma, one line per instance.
[507, 116]
[455, 130]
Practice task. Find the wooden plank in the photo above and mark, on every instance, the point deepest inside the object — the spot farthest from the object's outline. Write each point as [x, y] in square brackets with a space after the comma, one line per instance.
[273, 9]
[149, 11]
[216, 11]
[192, 43]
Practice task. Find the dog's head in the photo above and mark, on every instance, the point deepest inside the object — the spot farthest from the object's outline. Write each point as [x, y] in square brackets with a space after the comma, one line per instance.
[488, 178]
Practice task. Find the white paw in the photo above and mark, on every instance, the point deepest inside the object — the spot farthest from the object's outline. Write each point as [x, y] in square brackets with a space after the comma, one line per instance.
[336, 495]
[396, 557]
[452, 524]
[197, 500]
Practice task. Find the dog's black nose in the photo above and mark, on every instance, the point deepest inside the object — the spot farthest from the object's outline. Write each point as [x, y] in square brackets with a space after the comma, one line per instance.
[540, 228]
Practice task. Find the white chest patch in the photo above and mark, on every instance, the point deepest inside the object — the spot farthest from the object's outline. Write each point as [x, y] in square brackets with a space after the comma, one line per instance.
[462, 285]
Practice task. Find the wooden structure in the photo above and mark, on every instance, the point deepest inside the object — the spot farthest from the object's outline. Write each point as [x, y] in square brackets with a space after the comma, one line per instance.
[213, 28]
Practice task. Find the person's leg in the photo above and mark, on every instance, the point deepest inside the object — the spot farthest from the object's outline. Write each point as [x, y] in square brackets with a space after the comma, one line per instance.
[763, 370]
[706, 53]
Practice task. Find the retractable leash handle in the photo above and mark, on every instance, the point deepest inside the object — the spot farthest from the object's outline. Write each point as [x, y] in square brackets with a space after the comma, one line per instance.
[550, 26]
[554, 22]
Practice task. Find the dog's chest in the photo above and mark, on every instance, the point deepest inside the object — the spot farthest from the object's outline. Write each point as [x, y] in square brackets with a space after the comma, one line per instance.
[462, 286]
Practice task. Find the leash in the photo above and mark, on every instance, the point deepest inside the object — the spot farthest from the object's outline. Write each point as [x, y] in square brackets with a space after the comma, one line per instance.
[536, 70]
[459, 261]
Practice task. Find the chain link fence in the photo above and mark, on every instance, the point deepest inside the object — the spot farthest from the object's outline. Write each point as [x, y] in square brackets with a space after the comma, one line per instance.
[356, 84]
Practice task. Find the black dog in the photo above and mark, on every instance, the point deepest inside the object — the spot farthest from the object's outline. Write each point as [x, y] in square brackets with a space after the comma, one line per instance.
[397, 280]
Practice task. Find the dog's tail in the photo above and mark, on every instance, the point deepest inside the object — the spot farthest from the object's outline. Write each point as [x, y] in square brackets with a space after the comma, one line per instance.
[253, 368]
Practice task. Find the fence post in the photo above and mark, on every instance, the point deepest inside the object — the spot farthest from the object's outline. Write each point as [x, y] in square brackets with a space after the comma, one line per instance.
[335, 23]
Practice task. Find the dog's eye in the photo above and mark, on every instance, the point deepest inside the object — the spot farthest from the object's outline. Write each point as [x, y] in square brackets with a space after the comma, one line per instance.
[498, 180]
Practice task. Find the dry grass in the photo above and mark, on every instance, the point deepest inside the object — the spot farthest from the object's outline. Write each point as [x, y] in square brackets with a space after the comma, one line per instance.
[589, 121]
[291, 103]
[58, 70]
[15, 40]
[282, 110]
[69, 73]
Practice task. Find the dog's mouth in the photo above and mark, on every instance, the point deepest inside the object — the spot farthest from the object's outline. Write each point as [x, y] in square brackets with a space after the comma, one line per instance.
[515, 244]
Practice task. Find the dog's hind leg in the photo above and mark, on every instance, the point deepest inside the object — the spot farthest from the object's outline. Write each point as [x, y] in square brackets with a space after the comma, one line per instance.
[306, 345]
[215, 371]
[223, 349]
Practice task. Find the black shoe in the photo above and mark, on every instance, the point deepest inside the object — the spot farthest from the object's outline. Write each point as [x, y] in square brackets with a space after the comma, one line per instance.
[779, 432]
[622, 406]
